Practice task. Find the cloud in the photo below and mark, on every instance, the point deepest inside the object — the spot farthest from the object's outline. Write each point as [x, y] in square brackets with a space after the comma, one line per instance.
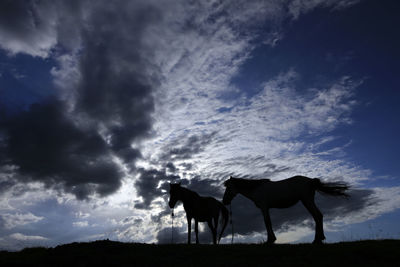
[149, 185]
[47, 146]
[276, 150]
[153, 183]
[81, 224]
[115, 92]
[28, 27]
[110, 84]
[300, 7]
[17, 241]
[19, 219]
[22, 237]
[185, 147]
[77, 141]
[38, 28]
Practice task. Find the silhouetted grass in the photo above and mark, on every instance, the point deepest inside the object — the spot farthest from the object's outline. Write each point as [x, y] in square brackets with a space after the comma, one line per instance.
[110, 253]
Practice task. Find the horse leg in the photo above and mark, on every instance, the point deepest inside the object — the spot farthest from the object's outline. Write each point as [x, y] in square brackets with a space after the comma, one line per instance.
[189, 223]
[216, 218]
[318, 218]
[268, 225]
[196, 229]
[213, 231]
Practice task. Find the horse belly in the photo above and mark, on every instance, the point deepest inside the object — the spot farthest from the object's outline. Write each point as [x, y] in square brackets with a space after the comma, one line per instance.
[205, 210]
[202, 216]
[282, 201]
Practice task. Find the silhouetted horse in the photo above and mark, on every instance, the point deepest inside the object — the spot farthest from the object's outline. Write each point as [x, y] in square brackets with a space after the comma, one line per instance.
[282, 194]
[202, 209]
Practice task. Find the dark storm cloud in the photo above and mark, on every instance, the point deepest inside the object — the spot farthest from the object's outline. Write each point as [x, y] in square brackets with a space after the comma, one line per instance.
[186, 166]
[27, 26]
[58, 142]
[15, 16]
[171, 167]
[148, 185]
[47, 147]
[115, 89]
[153, 183]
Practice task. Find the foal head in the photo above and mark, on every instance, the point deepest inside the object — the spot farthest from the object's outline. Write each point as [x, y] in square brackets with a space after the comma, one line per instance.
[174, 194]
[230, 191]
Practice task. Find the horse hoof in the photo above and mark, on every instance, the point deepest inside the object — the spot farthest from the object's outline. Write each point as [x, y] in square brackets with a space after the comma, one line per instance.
[317, 242]
[270, 242]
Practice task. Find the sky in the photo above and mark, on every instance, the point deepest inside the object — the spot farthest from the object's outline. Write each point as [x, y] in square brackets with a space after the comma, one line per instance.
[104, 103]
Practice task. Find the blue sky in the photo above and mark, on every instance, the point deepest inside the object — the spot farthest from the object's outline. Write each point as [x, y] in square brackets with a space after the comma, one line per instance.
[323, 45]
[102, 104]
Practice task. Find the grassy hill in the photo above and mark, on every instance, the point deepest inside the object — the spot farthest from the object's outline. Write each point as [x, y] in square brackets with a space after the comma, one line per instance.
[110, 253]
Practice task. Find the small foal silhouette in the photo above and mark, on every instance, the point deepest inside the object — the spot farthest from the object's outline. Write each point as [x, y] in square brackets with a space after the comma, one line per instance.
[282, 194]
[201, 209]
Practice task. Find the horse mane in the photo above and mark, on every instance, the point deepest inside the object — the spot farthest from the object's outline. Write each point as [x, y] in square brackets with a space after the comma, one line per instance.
[248, 184]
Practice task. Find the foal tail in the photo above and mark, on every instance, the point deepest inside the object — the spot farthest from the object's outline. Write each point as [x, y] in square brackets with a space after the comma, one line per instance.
[225, 218]
[333, 188]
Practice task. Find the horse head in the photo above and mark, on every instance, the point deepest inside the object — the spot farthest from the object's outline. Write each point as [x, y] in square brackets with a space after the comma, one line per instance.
[230, 191]
[174, 194]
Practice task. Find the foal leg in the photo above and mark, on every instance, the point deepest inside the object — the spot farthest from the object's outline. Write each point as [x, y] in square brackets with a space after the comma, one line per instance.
[318, 218]
[189, 223]
[196, 229]
[268, 225]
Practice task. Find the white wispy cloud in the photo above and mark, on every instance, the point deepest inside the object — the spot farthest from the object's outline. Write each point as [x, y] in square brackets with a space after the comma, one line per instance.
[19, 219]
[22, 237]
[300, 7]
[81, 224]
[17, 241]
[270, 125]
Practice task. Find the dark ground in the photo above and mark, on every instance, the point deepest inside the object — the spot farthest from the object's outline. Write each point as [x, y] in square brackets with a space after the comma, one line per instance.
[109, 253]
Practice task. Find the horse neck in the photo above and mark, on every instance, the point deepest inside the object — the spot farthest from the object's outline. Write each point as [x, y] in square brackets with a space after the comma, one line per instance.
[247, 187]
[187, 195]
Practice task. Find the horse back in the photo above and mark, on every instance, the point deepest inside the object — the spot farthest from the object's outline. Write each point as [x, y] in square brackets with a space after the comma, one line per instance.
[285, 193]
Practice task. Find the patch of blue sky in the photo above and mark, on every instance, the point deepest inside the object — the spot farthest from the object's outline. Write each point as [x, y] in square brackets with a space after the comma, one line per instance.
[224, 109]
[24, 80]
[324, 46]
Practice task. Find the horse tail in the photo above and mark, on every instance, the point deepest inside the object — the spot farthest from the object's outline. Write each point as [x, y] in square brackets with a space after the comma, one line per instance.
[332, 188]
[225, 218]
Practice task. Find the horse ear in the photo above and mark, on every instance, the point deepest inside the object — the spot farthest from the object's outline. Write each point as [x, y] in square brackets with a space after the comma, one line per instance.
[230, 177]
[179, 183]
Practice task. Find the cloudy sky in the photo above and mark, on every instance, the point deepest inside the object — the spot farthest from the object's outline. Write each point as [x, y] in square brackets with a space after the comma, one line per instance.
[102, 103]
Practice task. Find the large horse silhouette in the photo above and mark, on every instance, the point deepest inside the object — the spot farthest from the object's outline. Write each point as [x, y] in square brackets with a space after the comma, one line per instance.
[282, 194]
[201, 209]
